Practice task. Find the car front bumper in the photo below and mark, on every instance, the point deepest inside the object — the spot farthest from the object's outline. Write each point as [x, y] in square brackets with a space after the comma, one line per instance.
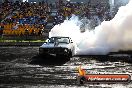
[54, 51]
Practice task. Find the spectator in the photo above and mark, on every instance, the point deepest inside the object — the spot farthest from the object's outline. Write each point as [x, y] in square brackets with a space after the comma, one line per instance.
[37, 15]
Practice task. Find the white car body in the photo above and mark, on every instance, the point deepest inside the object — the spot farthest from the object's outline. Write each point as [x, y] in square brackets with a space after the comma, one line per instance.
[58, 46]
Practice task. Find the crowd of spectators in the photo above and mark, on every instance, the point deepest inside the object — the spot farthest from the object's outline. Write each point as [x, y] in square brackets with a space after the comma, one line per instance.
[23, 18]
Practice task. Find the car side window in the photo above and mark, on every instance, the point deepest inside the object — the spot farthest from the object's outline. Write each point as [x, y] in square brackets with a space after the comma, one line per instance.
[66, 40]
[51, 40]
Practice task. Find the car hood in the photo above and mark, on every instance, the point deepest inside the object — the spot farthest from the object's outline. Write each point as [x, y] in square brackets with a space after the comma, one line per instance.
[52, 45]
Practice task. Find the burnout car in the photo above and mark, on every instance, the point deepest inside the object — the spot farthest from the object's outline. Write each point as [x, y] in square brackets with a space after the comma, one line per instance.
[58, 46]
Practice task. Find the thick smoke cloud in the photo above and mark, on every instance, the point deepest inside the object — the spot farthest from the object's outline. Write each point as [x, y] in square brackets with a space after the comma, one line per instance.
[110, 36]
[121, 2]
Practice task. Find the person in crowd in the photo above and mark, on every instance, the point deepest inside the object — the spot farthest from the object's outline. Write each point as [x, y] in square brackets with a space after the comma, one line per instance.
[37, 15]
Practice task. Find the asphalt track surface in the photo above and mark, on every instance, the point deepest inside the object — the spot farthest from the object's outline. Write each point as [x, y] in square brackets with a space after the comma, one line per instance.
[22, 67]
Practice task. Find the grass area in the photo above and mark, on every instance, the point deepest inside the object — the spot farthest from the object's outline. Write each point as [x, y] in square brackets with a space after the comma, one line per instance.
[22, 40]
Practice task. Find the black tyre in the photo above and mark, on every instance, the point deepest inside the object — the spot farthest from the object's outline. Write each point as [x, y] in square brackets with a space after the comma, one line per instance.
[70, 54]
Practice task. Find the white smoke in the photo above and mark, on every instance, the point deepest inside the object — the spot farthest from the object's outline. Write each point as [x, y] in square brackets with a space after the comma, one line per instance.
[110, 36]
[121, 2]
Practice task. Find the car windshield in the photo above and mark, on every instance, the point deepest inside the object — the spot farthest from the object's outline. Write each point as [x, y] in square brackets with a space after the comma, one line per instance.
[60, 40]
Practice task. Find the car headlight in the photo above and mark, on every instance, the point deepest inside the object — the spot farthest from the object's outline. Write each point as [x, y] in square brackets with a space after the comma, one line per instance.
[65, 50]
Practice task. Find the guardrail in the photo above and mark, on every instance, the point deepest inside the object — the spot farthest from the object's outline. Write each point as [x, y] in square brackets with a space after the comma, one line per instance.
[25, 37]
[20, 44]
